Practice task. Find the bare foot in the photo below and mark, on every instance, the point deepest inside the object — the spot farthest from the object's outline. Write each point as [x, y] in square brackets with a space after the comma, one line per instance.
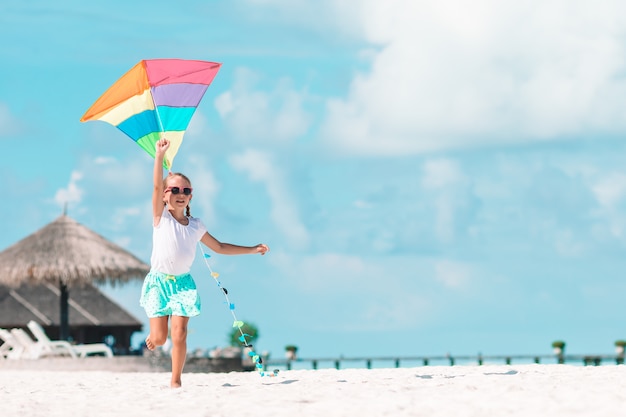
[149, 344]
[176, 384]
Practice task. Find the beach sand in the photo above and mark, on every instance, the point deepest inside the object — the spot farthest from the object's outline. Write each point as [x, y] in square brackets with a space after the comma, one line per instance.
[489, 390]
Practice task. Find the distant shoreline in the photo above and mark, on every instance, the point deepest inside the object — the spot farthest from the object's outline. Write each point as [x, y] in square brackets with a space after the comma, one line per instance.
[161, 363]
[123, 364]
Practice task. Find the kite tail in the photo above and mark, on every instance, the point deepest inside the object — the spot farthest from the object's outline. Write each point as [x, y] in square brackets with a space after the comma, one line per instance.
[243, 338]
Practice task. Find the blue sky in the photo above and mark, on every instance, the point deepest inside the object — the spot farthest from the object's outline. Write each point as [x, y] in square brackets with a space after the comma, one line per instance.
[431, 177]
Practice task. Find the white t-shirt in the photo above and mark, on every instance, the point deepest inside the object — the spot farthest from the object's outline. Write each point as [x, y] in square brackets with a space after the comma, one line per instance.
[174, 244]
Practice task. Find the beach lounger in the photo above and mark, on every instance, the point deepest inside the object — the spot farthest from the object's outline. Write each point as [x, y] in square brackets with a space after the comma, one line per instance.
[10, 348]
[78, 350]
[36, 350]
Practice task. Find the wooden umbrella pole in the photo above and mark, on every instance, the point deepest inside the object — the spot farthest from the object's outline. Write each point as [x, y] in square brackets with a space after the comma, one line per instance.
[64, 332]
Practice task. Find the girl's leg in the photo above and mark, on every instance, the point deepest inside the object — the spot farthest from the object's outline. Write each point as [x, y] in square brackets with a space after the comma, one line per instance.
[158, 332]
[179, 348]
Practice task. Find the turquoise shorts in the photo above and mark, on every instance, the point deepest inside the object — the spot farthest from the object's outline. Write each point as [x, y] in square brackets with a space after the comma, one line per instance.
[169, 295]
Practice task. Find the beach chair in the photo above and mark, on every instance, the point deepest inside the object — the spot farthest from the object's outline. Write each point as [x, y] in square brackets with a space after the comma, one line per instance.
[78, 350]
[36, 350]
[10, 348]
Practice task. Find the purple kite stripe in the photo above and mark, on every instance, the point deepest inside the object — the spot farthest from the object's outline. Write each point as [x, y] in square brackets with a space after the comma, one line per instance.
[178, 95]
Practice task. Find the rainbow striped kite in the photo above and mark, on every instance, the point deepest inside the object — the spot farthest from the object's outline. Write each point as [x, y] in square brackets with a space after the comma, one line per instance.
[155, 99]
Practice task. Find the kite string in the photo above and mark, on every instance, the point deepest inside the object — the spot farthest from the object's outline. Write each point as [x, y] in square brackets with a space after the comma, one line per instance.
[258, 362]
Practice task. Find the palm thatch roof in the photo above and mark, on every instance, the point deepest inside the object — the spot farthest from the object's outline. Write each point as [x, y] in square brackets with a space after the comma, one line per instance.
[94, 317]
[69, 253]
[88, 307]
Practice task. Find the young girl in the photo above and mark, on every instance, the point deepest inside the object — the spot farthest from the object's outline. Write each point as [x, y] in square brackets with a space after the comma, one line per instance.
[168, 289]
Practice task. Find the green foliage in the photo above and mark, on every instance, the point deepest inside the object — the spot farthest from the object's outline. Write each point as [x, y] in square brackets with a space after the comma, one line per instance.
[292, 348]
[620, 342]
[558, 344]
[249, 329]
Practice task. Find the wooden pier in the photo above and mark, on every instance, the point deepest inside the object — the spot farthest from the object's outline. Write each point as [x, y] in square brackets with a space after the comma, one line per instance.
[447, 360]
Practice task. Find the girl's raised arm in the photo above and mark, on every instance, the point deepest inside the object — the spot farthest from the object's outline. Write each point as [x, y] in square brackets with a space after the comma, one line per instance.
[157, 190]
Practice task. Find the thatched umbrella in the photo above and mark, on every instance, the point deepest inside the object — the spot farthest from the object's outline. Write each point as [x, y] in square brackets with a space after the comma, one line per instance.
[67, 253]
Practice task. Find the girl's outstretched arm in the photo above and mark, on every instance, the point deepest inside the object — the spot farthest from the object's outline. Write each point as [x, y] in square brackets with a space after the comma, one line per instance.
[230, 249]
[157, 190]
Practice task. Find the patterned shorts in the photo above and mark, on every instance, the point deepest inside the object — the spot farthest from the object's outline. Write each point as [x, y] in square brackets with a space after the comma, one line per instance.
[169, 295]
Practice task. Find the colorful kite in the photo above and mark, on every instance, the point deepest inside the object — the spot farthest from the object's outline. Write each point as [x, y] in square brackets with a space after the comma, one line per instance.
[155, 99]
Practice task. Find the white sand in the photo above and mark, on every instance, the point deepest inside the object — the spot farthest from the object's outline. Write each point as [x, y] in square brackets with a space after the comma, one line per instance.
[524, 390]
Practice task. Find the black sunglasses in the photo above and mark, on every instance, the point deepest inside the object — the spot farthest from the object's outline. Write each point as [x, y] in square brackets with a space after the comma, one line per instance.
[178, 190]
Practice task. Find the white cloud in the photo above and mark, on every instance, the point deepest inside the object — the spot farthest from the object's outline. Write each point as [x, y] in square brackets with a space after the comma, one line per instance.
[327, 17]
[253, 115]
[72, 194]
[453, 74]
[317, 273]
[362, 204]
[205, 186]
[610, 189]
[9, 124]
[610, 192]
[567, 244]
[121, 215]
[104, 160]
[441, 172]
[119, 178]
[453, 275]
[284, 212]
[198, 125]
[387, 295]
[444, 179]
[402, 311]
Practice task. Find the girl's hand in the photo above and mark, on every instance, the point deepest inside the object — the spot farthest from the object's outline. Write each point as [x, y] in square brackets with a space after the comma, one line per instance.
[162, 145]
[262, 248]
